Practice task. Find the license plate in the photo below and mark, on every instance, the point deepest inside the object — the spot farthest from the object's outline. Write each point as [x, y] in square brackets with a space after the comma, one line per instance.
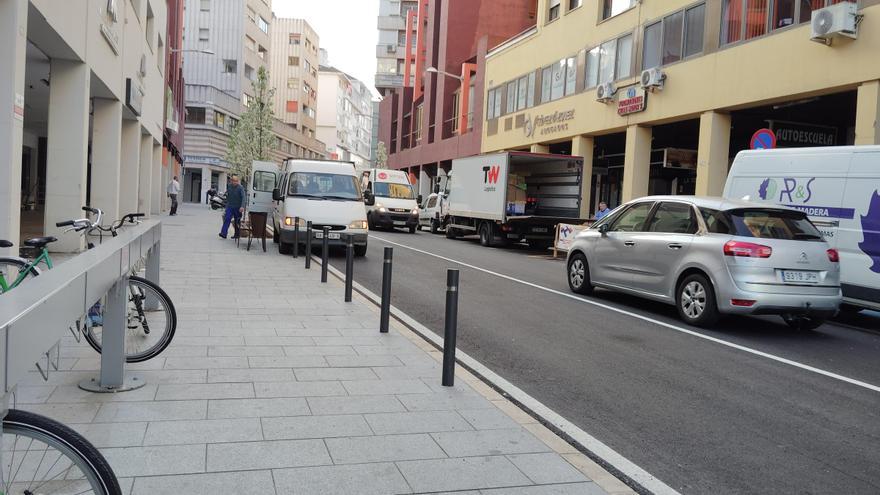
[542, 230]
[800, 277]
[399, 222]
[331, 235]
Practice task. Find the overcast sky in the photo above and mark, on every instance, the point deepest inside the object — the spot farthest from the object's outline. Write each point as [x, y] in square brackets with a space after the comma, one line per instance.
[347, 29]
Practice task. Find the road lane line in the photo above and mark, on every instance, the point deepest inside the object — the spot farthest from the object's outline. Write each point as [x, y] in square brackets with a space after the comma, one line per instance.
[716, 340]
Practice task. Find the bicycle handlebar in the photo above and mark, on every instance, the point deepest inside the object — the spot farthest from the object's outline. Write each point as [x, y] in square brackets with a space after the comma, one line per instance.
[65, 224]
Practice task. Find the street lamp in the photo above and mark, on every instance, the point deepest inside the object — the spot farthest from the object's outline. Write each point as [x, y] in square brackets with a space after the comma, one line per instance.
[434, 70]
[206, 52]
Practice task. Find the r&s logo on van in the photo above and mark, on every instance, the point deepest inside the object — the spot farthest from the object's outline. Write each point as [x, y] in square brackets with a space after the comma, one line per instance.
[797, 193]
[870, 244]
[490, 177]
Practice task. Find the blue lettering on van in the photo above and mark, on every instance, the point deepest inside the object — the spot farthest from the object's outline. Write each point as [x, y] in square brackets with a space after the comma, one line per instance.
[794, 191]
[826, 211]
[870, 244]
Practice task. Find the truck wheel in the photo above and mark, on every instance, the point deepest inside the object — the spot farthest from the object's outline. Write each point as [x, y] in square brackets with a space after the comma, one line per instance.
[450, 232]
[540, 244]
[487, 237]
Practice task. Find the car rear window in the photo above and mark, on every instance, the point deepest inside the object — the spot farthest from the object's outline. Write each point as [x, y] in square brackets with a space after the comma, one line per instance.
[762, 223]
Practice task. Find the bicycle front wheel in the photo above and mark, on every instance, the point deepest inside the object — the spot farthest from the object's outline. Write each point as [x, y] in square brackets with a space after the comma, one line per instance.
[151, 321]
[42, 456]
[12, 268]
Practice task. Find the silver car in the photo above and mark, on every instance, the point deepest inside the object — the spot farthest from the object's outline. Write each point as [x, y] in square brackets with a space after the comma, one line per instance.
[711, 256]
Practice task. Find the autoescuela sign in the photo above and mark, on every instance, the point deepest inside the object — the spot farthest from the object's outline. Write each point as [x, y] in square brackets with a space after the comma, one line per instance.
[795, 134]
[633, 99]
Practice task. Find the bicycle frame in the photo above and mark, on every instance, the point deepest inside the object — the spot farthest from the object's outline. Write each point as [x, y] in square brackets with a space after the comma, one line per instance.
[22, 274]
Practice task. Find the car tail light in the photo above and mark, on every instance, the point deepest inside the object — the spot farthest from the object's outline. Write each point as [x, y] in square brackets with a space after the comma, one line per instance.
[833, 256]
[747, 250]
[743, 302]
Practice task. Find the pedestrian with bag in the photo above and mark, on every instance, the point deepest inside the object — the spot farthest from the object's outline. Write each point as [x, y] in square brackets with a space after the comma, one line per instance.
[235, 198]
[173, 190]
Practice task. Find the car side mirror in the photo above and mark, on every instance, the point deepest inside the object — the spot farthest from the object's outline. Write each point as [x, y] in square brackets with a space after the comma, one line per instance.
[604, 228]
[419, 200]
[276, 194]
[369, 199]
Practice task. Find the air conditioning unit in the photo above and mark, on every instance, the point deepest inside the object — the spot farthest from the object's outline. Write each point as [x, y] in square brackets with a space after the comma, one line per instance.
[605, 92]
[839, 20]
[653, 78]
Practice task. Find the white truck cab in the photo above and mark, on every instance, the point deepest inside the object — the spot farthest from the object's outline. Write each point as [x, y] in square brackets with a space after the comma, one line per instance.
[324, 192]
[390, 199]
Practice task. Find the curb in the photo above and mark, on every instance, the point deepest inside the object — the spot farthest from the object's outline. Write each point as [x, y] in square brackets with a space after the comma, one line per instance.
[619, 466]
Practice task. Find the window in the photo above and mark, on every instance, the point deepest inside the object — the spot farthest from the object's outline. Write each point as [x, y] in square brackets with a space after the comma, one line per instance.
[195, 115]
[611, 8]
[250, 43]
[694, 25]
[219, 120]
[673, 218]
[203, 34]
[417, 124]
[294, 39]
[293, 61]
[251, 15]
[490, 106]
[522, 88]
[546, 82]
[292, 83]
[672, 27]
[511, 97]
[747, 19]
[573, 4]
[633, 219]
[205, 5]
[263, 25]
[307, 89]
[624, 57]
[771, 224]
[148, 31]
[320, 184]
[592, 79]
[264, 181]
[553, 13]
[676, 36]
[557, 78]
[249, 72]
[530, 91]
[570, 75]
[607, 54]
[230, 66]
[432, 202]
[308, 66]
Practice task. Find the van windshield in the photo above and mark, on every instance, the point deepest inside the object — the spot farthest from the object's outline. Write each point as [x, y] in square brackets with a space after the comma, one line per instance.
[324, 186]
[762, 223]
[393, 190]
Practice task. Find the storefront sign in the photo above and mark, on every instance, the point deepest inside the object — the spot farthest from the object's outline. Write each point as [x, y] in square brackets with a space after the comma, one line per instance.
[207, 160]
[633, 99]
[134, 97]
[18, 107]
[548, 124]
[794, 135]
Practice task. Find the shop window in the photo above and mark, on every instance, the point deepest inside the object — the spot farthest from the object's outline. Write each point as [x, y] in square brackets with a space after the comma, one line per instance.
[592, 69]
[546, 81]
[570, 75]
[557, 87]
[611, 8]
[676, 36]
[553, 12]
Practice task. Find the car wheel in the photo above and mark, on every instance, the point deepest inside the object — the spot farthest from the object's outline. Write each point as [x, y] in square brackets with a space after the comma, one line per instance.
[360, 250]
[434, 227]
[579, 274]
[695, 300]
[451, 233]
[486, 236]
[798, 322]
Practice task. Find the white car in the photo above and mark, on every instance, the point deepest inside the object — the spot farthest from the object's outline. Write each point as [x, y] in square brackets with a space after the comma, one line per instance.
[431, 214]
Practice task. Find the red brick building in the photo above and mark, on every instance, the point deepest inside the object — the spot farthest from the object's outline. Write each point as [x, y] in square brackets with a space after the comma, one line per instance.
[426, 125]
[172, 142]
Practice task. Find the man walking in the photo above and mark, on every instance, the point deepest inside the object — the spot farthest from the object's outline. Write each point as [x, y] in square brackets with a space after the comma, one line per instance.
[234, 206]
[173, 190]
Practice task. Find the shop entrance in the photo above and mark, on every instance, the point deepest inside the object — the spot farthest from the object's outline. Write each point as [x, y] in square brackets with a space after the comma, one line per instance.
[674, 158]
[192, 185]
[607, 181]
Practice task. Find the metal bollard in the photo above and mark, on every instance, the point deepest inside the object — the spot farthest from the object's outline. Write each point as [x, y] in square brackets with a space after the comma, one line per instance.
[295, 237]
[325, 253]
[450, 328]
[349, 267]
[385, 315]
[308, 244]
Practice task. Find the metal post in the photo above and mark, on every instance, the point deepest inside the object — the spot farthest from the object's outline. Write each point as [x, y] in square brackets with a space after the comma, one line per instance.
[385, 315]
[349, 266]
[112, 376]
[308, 244]
[325, 253]
[295, 237]
[450, 328]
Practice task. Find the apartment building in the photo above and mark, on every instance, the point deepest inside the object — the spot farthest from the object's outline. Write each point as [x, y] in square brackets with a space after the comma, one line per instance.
[659, 96]
[397, 24]
[345, 116]
[294, 73]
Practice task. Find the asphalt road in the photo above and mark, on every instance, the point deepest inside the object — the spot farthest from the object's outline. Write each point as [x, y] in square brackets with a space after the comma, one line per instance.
[701, 416]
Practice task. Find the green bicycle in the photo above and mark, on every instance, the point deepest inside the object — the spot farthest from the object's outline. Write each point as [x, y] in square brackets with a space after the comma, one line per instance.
[20, 269]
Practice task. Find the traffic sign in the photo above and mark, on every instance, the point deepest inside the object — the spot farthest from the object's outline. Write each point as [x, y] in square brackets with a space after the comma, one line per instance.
[763, 139]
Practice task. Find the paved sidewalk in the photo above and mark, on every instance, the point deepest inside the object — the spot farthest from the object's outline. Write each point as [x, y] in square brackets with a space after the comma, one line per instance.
[274, 385]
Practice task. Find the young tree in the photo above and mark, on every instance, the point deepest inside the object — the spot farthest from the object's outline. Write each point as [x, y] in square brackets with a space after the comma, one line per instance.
[381, 155]
[252, 138]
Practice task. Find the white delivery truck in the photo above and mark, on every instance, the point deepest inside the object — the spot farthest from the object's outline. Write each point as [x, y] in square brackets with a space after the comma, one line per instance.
[390, 198]
[325, 192]
[513, 196]
[839, 189]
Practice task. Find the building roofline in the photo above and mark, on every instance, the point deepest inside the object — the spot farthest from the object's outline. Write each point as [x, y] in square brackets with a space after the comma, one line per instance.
[510, 43]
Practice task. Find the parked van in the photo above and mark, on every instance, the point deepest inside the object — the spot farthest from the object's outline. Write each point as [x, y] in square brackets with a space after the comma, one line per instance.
[328, 194]
[839, 189]
[391, 199]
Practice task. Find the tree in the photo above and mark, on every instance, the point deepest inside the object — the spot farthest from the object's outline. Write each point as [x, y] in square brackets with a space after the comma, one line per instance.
[381, 155]
[251, 138]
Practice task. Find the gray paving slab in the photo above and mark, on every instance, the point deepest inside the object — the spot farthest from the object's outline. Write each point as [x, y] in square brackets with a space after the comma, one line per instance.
[151, 411]
[103, 435]
[354, 405]
[302, 427]
[566, 489]
[299, 389]
[489, 442]
[250, 375]
[361, 479]
[267, 455]
[204, 431]
[333, 374]
[287, 362]
[244, 351]
[260, 482]
[470, 473]
[488, 419]
[319, 350]
[156, 460]
[257, 408]
[547, 468]
[205, 391]
[363, 361]
[386, 387]
[416, 422]
[381, 448]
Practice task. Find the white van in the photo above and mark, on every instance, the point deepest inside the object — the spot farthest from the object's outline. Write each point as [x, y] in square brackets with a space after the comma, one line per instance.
[391, 199]
[324, 192]
[839, 188]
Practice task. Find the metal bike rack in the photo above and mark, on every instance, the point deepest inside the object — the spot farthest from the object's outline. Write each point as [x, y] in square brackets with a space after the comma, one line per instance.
[36, 315]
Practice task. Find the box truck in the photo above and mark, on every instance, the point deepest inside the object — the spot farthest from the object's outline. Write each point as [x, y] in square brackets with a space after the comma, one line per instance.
[512, 196]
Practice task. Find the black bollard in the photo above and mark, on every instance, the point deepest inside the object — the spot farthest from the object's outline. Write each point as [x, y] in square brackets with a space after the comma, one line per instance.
[450, 328]
[385, 315]
[349, 267]
[325, 253]
[308, 244]
[295, 237]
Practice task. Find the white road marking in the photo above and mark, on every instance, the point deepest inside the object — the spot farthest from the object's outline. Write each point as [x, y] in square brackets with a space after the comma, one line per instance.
[716, 340]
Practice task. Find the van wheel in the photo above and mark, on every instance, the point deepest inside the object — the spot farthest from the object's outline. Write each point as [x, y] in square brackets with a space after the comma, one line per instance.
[798, 322]
[285, 248]
[579, 274]
[412, 230]
[487, 237]
[695, 301]
[451, 233]
[360, 250]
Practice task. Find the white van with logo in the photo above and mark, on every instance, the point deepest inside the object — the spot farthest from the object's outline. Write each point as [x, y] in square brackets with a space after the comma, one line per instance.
[390, 198]
[324, 192]
[839, 189]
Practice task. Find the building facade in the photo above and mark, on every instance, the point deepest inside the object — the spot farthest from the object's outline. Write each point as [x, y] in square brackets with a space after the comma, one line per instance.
[85, 93]
[717, 72]
[345, 117]
[396, 22]
[294, 72]
[175, 106]
[226, 43]
[438, 118]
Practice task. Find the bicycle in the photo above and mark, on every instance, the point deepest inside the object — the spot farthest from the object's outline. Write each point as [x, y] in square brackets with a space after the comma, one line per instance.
[43, 456]
[23, 268]
[151, 319]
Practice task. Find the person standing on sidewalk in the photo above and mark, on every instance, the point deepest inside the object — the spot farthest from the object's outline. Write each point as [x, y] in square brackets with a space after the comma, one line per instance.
[234, 206]
[173, 190]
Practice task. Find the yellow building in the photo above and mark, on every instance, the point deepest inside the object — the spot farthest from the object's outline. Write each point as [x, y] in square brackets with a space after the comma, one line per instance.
[723, 69]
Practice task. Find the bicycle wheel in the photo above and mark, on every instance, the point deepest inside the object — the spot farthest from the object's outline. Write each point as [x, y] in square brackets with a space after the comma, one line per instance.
[42, 456]
[11, 268]
[150, 322]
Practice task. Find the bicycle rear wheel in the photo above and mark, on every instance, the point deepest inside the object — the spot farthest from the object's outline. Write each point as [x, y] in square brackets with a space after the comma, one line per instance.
[151, 322]
[11, 268]
[42, 456]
